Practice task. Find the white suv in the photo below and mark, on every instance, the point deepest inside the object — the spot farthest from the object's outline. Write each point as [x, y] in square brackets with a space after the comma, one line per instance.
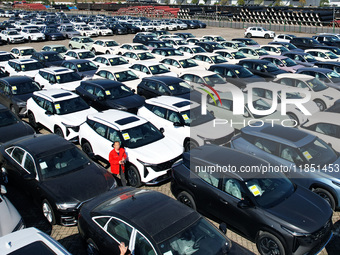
[11, 36]
[150, 154]
[258, 32]
[60, 111]
[32, 34]
[58, 78]
[183, 122]
[26, 67]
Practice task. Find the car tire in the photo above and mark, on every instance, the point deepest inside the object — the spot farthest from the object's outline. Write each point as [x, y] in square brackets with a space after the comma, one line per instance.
[31, 120]
[132, 176]
[292, 116]
[87, 148]
[59, 132]
[48, 212]
[248, 35]
[186, 199]
[325, 194]
[320, 104]
[190, 144]
[92, 248]
[268, 243]
[70, 46]
[266, 36]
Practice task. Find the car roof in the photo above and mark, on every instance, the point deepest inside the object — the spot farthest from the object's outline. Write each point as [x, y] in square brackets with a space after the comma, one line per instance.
[57, 70]
[147, 62]
[297, 76]
[231, 66]
[114, 69]
[321, 50]
[209, 54]
[290, 136]
[109, 56]
[55, 95]
[47, 53]
[275, 56]
[316, 69]
[105, 40]
[23, 61]
[259, 61]
[16, 79]
[78, 50]
[121, 120]
[330, 63]
[104, 83]
[77, 61]
[164, 79]
[174, 103]
[200, 73]
[54, 45]
[22, 48]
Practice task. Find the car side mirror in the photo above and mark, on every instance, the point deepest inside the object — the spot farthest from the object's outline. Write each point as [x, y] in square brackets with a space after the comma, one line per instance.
[178, 124]
[3, 190]
[49, 113]
[244, 204]
[169, 68]
[223, 228]
[330, 145]
[133, 90]
[107, 64]
[42, 86]
[161, 130]
[64, 57]
[29, 177]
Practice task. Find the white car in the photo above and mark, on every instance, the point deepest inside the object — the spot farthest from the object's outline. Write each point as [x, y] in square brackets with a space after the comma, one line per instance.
[107, 46]
[233, 45]
[58, 78]
[124, 75]
[283, 38]
[30, 241]
[233, 56]
[24, 67]
[265, 91]
[32, 34]
[322, 95]
[131, 47]
[183, 122]
[258, 32]
[207, 59]
[11, 36]
[110, 60]
[102, 30]
[323, 55]
[275, 49]
[179, 64]
[175, 42]
[144, 27]
[10, 219]
[253, 52]
[326, 126]
[86, 31]
[4, 57]
[60, 111]
[151, 68]
[214, 38]
[23, 52]
[150, 154]
[138, 55]
[191, 50]
[79, 54]
[180, 25]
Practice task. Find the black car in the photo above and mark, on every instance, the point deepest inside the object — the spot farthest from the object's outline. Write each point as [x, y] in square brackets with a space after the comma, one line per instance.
[329, 40]
[334, 49]
[143, 39]
[329, 65]
[306, 43]
[210, 46]
[328, 76]
[301, 58]
[288, 45]
[3, 72]
[262, 68]
[235, 74]
[153, 222]
[15, 91]
[165, 52]
[107, 94]
[52, 34]
[84, 67]
[11, 126]
[161, 32]
[190, 24]
[167, 85]
[267, 208]
[185, 36]
[247, 41]
[58, 175]
[117, 29]
[199, 23]
[48, 58]
[131, 29]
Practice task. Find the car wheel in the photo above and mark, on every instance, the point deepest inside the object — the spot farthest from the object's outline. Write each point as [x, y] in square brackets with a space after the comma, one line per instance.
[31, 120]
[70, 46]
[320, 104]
[269, 244]
[266, 36]
[133, 176]
[326, 195]
[190, 144]
[107, 52]
[87, 148]
[92, 248]
[294, 118]
[185, 198]
[48, 212]
[248, 35]
[59, 132]
[13, 109]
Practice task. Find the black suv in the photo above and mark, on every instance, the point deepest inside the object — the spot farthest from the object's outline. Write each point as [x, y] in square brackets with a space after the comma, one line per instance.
[305, 43]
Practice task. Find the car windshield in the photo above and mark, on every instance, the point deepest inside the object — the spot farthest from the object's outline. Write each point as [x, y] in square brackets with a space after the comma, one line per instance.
[141, 135]
[70, 30]
[27, 52]
[51, 30]
[186, 241]
[194, 117]
[60, 49]
[336, 51]
[6, 57]
[261, 52]
[62, 162]
[187, 63]
[238, 55]
[213, 79]
[53, 57]
[87, 40]
[67, 77]
[87, 29]
[145, 56]
[288, 62]
[331, 55]
[217, 46]
[86, 66]
[269, 192]
[159, 69]
[334, 39]
[86, 54]
[218, 59]
[126, 76]
[250, 42]
[7, 118]
[270, 67]
[180, 88]
[140, 47]
[25, 87]
[219, 39]
[111, 44]
[317, 85]
[198, 50]
[14, 32]
[31, 66]
[118, 92]
[283, 49]
[33, 31]
[243, 72]
[240, 44]
[309, 57]
[118, 61]
[72, 105]
[290, 46]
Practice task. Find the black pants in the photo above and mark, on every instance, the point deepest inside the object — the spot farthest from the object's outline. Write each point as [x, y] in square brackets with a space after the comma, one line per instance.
[122, 176]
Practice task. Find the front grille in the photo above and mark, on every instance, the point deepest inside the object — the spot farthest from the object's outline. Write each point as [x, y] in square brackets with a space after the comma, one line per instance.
[316, 236]
[166, 165]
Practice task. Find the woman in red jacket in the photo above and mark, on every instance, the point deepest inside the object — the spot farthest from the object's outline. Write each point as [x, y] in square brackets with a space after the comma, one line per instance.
[117, 160]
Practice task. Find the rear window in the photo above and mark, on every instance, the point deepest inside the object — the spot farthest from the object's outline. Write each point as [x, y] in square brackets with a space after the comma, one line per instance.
[37, 248]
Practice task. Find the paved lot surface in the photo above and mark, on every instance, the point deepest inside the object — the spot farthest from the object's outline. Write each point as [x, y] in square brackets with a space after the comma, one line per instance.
[68, 236]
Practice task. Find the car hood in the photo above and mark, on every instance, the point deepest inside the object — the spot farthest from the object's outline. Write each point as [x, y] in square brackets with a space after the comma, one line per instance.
[134, 101]
[14, 131]
[302, 212]
[80, 185]
[77, 118]
[9, 216]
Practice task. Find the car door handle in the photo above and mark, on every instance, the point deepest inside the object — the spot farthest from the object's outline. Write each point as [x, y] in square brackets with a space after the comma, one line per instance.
[223, 201]
[193, 184]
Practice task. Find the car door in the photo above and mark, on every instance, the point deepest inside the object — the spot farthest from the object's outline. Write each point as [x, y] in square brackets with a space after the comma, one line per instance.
[100, 144]
[5, 94]
[150, 89]
[141, 245]
[32, 184]
[47, 115]
[87, 93]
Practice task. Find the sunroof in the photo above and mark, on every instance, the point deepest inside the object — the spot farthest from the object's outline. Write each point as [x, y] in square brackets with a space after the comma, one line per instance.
[182, 104]
[127, 120]
[61, 70]
[290, 134]
[62, 95]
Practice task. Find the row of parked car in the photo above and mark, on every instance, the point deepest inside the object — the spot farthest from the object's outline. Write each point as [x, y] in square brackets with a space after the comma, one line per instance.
[148, 97]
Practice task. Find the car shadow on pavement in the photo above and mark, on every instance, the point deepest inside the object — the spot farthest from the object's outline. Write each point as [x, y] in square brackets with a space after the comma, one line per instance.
[74, 244]
[237, 249]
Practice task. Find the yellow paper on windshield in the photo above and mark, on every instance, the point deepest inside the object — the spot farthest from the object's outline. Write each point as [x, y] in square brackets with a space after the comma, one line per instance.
[139, 55]
[22, 66]
[46, 57]
[78, 66]
[171, 88]
[182, 63]
[22, 52]
[111, 60]
[329, 76]
[14, 88]
[237, 71]
[151, 68]
[57, 106]
[43, 165]
[284, 61]
[265, 66]
[307, 155]
[57, 77]
[117, 75]
[126, 136]
[254, 190]
[107, 92]
[311, 84]
[54, 49]
[185, 117]
[80, 54]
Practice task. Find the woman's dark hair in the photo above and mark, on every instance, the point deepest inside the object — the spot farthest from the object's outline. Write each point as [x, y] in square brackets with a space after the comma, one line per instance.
[115, 142]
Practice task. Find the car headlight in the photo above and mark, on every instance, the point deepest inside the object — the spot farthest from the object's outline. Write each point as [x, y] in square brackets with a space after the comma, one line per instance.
[66, 206]
[328, 97]
[295, 233]
[74, 128]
